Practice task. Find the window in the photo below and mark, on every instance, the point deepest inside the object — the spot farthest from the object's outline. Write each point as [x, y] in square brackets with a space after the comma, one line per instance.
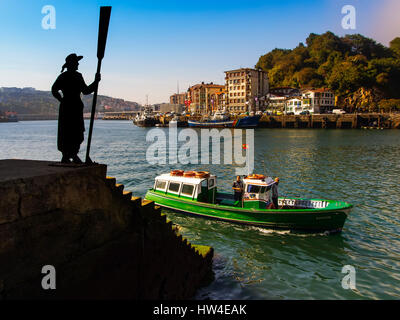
[211, 183]
[174, 187]
[187, 189]
[253, 188]
[160, 185]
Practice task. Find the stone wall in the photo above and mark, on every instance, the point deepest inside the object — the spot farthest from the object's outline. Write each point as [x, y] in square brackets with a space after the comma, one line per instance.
[103, 242]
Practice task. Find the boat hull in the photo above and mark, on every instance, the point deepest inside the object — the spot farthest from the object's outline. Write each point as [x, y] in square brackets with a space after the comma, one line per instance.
[245, 122]
[179, 124]
[146, 122]
[248, 122]
[315, 220]
[211, 124]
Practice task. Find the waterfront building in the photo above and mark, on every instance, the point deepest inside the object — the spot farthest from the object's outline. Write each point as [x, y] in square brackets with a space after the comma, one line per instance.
[318, 100]
[294, 105]
[285, 91]
[275, 102]
[178, 98]
[218, 100]
[204, 98]
[168, 108]
[246, 90]
[277, 98]
[313, 101]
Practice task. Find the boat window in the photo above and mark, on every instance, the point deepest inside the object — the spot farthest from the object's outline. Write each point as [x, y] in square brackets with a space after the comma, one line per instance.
[211, 183]
[187, 189]
[174, 187]
[262, 190]
[160, 185]
[253, 188]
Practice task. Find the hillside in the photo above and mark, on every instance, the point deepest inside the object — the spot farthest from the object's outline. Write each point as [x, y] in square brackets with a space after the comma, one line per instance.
[364, 74]
[31, 101]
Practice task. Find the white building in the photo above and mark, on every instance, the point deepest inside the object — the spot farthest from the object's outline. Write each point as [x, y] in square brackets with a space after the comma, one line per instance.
[276, 103]
[277, 98]
[318, 100]
[294, 105]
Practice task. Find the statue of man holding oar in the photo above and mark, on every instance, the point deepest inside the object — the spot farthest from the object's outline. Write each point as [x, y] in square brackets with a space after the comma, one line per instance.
[70, 119]
[71, 84]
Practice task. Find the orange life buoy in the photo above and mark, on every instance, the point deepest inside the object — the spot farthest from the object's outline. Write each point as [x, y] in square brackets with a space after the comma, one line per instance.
[256, 176]
[189, 173]
[202, 174]
[177, 172]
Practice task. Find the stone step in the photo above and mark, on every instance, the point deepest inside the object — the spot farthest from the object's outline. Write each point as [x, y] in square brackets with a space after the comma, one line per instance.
[137, 201]
[203, 251]
[111, 181]
[148, 203]
[127, 195]
[119, 187]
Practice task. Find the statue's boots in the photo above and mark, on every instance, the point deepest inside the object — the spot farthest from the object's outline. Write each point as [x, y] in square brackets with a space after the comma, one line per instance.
[65, 159]
[75, 159]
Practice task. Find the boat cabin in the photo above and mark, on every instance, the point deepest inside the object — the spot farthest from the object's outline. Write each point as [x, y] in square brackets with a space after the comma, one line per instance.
[256, 193]
[200, 186]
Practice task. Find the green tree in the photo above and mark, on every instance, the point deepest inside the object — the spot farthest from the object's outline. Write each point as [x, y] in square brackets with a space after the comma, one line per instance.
[347, 77]
[395, 46]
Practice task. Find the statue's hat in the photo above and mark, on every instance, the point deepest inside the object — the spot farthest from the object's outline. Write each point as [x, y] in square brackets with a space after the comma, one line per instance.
[71, 59]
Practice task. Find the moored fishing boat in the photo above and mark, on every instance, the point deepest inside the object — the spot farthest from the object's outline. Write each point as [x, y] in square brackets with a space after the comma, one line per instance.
[248, 122]
[196, 193]
[220, 120]
[145, 120]
[178, 122]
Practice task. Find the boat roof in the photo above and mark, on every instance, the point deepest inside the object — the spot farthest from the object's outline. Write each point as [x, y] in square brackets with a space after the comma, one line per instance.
[268, 181]
[191, 180]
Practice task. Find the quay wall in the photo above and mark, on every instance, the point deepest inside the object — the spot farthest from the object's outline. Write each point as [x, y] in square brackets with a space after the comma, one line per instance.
[102, 241]
[332, 121]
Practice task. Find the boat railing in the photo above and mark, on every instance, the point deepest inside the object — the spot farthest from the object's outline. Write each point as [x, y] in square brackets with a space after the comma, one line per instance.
[304, 204]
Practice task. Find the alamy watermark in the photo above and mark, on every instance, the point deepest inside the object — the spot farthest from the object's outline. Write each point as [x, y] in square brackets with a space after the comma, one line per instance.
[349, 280]
[349, 20]
[49, 280]
[49, 20]
[195, 147]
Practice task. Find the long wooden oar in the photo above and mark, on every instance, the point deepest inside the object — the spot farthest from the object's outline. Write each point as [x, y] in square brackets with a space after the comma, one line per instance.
[105, 13]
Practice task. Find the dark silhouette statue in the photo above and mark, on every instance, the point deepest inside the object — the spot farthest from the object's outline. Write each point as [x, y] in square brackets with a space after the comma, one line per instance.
[70, 119]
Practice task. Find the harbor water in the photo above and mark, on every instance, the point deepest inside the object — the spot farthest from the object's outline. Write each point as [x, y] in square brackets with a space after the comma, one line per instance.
[361, 167]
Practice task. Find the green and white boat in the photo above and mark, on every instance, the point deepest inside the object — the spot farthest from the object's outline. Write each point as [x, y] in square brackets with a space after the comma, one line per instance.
[196, 193]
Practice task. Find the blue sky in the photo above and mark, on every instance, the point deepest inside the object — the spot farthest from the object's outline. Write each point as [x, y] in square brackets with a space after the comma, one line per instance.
[154, 44]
